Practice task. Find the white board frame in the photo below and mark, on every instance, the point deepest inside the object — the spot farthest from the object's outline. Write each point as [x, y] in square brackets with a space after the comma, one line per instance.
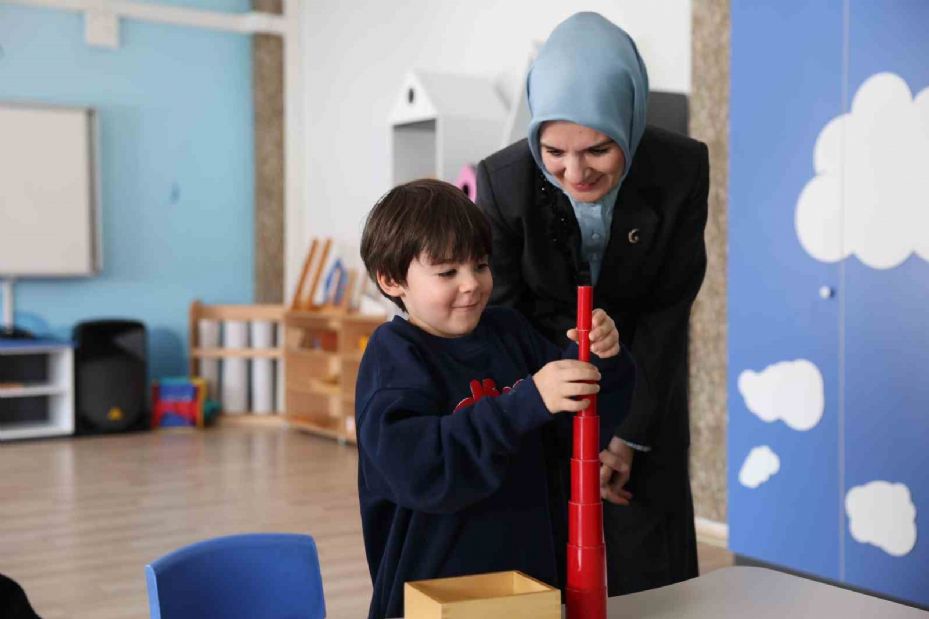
[90, 262]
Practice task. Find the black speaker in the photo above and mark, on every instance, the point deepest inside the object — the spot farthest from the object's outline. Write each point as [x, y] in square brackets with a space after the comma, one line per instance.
[110, 376]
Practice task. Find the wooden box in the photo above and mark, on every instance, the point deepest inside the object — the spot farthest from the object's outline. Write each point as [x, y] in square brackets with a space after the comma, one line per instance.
[512, 595]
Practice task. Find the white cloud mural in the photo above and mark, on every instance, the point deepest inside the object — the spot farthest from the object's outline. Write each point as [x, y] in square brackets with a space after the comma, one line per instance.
[882, 513]
[791, 391]
[874, 160]
[759, 466]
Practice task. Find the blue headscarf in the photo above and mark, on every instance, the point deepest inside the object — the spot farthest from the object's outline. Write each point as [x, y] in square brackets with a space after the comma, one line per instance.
[589, 72]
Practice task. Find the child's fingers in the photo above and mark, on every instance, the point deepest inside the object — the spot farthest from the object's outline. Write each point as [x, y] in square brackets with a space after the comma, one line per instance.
[573, 370]
[572, 389]
[568, 405]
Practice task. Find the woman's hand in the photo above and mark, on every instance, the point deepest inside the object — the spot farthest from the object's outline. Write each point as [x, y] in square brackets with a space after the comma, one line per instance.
[562, 384]
[604, 338]
[615, 468]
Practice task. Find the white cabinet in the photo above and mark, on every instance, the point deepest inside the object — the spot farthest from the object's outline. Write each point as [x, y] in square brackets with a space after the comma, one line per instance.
[36, 389]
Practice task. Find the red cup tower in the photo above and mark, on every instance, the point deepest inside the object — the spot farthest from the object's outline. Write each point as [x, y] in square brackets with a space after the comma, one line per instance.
[586, 574]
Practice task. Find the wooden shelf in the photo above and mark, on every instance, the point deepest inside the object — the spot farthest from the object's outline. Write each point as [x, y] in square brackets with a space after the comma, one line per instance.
[316, 387]
[325, 387]
[318, 320]
[308, 353]
[320, 383]
[251, 419]
[271, 312]
[227, 353]
[206, 358]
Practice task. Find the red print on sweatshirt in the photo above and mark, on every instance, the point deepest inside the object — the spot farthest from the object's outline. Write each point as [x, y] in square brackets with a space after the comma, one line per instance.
[482, 389]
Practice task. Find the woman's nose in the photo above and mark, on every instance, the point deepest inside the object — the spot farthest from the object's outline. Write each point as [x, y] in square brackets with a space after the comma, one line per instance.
[574, 170]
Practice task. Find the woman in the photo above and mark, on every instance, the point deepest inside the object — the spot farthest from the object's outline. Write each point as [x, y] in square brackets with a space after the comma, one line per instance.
[594, 192]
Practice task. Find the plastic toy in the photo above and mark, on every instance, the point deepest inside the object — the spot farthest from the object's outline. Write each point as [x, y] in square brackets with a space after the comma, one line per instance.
[181, 402]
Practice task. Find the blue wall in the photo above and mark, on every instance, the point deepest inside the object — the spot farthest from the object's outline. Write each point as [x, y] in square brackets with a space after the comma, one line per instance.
[175, 111]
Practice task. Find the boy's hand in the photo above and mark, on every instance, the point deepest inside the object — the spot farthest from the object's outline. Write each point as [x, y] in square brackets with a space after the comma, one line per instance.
[559, 382]
[604, 338]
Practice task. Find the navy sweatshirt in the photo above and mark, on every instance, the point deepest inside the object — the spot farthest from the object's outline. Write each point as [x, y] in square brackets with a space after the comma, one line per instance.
[460, 464]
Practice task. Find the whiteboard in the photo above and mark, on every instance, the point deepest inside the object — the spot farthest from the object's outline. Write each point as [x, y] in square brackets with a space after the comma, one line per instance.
[49, 213]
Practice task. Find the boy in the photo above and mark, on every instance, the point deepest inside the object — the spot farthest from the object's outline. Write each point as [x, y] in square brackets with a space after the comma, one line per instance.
[461, 447]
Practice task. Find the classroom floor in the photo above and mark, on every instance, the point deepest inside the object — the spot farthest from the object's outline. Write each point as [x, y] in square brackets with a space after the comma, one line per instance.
[80, 518]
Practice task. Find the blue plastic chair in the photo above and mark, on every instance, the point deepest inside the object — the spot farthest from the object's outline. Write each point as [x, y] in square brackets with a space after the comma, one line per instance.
[247, 576]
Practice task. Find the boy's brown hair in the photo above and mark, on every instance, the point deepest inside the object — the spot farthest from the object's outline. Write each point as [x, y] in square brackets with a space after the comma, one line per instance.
[422, 217]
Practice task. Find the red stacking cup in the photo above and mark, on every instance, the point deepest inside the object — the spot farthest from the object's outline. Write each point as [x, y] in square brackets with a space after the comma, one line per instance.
[586, 573]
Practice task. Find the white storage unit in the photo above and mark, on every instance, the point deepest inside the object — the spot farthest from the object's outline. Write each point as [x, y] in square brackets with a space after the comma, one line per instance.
[36, 389]
[442, 122]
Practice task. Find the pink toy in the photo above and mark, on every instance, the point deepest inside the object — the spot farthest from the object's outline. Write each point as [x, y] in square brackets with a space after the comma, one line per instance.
[467, 182]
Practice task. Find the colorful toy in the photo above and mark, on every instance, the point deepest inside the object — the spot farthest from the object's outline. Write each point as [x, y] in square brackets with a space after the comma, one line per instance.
[181, 402]
[586, 575]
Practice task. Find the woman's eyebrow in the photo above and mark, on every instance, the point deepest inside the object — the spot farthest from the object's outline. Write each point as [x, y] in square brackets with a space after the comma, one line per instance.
[605, 142]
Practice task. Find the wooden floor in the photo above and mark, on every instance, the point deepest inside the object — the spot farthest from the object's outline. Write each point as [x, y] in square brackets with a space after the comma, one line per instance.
[80, 518]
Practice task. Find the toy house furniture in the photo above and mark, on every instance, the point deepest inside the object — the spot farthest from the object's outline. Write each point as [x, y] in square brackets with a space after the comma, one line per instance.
[322, 354]
[828, 280]
[238, 577]
[442, 122]
[36, 388]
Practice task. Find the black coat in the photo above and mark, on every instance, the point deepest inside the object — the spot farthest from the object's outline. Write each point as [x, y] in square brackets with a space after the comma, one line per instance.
[652, 269]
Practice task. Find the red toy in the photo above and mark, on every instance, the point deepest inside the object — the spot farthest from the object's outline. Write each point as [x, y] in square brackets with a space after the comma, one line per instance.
[586, 576]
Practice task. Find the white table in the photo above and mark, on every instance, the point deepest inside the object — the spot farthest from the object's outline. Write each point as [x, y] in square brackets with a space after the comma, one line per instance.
[755, 593]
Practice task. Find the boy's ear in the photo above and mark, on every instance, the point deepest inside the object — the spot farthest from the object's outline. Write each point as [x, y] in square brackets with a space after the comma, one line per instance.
[389, 286]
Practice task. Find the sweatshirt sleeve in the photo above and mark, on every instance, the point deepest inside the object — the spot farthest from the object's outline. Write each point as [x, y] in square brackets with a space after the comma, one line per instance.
[423, 459]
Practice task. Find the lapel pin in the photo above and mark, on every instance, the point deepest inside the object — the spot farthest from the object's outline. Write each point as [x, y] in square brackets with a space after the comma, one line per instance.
[634, 236]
